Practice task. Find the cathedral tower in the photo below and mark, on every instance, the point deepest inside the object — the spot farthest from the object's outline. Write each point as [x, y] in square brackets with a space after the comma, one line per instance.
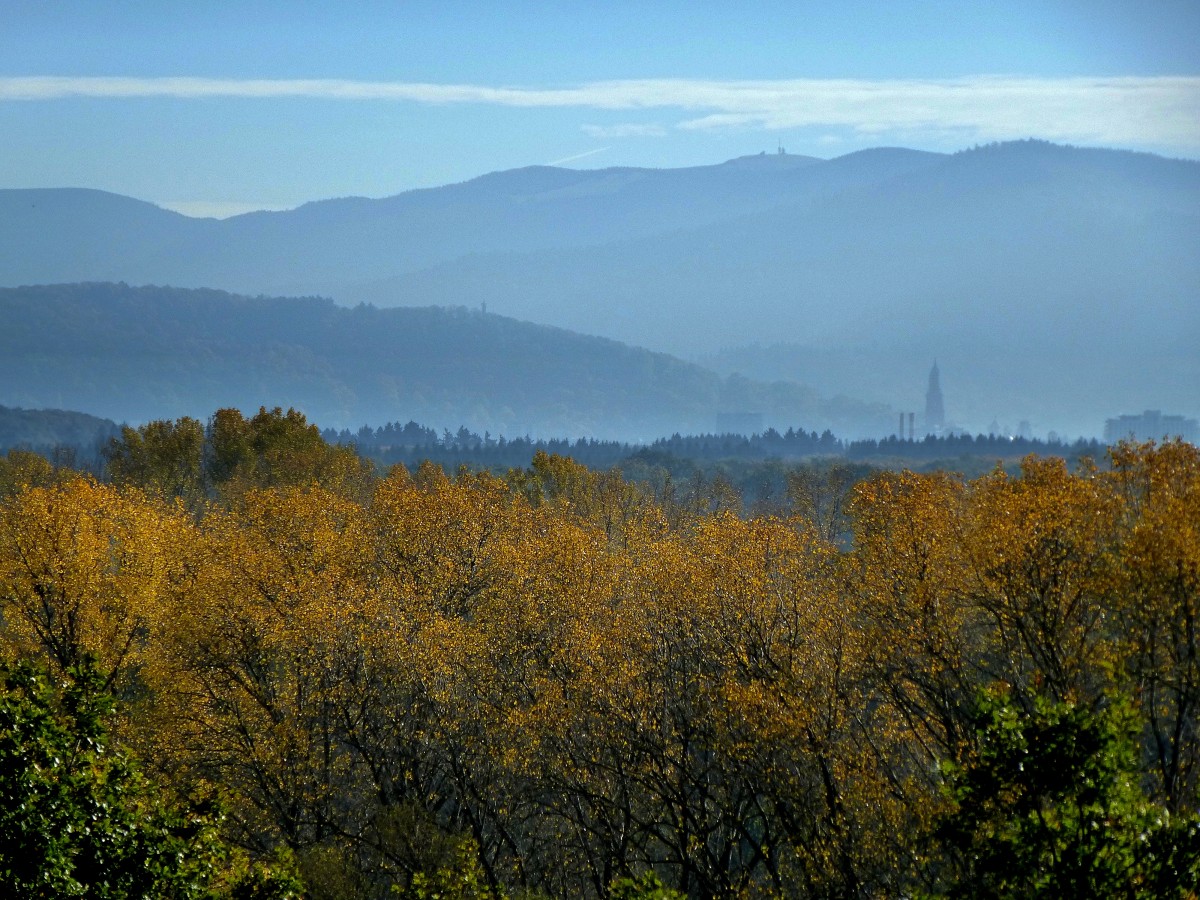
[935, 413]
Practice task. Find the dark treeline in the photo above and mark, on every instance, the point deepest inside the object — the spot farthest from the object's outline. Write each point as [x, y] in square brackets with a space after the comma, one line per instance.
[80, 438]
[760, 474]
[951, 446]
[760, 470]
[412, 444]
[757, 474]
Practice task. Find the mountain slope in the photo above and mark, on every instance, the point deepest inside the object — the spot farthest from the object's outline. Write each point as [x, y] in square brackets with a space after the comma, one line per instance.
[141, 353]
[75, 235]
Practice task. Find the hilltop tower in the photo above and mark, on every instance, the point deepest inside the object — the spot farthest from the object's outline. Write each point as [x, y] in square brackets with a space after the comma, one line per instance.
[935, 412]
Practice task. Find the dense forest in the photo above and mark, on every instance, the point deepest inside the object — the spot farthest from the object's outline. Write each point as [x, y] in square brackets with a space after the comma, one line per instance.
[413, 443]
[312, 674]
[758, 468]
[141, 353]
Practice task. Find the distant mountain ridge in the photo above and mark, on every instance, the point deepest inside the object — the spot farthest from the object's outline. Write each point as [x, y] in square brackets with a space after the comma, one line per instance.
[1000, 224]
[1057, 284]
[61, 235]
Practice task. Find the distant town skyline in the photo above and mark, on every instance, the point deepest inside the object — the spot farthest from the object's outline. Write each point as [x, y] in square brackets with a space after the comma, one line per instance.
[217, 108]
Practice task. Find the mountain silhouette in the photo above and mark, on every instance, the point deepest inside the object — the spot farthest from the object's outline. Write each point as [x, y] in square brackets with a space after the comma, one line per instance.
[1056, 284]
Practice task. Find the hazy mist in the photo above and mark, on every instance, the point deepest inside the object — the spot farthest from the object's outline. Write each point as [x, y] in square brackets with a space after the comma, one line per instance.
[1055, 285]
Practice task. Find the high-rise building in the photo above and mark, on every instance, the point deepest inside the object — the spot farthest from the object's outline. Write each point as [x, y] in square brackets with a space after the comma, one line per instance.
[935, 412]
[1152, 425]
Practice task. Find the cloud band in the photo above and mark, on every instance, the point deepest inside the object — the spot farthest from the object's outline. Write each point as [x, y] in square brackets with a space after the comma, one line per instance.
[1161, 111]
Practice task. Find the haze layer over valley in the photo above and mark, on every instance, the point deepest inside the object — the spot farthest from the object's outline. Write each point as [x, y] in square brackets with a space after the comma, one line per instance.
[1053, 284]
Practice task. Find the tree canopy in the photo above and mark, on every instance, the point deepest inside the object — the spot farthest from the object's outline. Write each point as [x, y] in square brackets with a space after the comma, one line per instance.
[558, 682]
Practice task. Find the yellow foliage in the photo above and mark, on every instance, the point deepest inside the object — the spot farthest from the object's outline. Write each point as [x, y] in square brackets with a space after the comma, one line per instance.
[589, 684]
[23, 469]
[83, 570]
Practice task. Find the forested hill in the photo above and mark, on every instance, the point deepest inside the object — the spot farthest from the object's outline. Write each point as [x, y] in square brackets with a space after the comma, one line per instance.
[139, 353]
[44, 430]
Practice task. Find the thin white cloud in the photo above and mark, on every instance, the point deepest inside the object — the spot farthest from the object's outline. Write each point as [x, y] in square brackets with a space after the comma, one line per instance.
[584, 155]
[623, 130]
[1165, 111]
[1162, 111]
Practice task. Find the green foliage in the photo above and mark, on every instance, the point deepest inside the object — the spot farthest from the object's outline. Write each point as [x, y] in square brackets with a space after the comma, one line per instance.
[278, 449]
[78, 819]
[163, 458]
[648, 887]
[1046, 804]
[464, 879]
[182, 459]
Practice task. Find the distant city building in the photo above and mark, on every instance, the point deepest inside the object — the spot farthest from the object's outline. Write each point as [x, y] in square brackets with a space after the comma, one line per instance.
[746, 423]
[935, 411]
[1151, 425]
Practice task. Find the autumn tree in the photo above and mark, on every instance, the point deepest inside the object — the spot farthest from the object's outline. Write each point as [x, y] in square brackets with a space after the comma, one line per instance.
[1040, 550]
[821, 494]
[243, 682]
[163, 458]
[274, 448]
[1155, 607]
[605, 499]
[563, 683]
[23, 469]
[83, 568]
[910, 572]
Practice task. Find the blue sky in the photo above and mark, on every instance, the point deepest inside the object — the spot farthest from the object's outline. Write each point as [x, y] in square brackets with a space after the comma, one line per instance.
[221, 107]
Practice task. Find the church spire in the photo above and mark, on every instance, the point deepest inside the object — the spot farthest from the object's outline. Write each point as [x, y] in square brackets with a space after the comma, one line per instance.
[935, 412]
